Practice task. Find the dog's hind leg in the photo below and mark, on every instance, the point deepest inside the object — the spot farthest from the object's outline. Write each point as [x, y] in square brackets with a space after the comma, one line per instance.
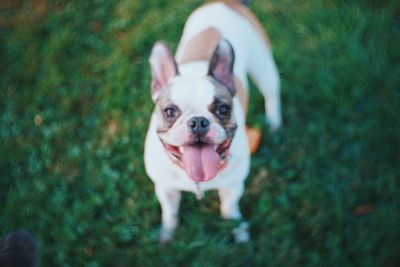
[265, 74]
[169, 199]
[230, 198]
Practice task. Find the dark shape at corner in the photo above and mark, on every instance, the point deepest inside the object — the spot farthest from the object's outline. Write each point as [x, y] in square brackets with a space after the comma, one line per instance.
[18, 248]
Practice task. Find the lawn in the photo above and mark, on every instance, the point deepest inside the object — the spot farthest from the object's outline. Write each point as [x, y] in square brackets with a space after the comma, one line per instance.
[75, 105]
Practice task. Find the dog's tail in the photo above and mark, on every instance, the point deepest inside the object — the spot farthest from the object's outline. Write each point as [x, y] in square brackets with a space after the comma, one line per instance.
[18, 249]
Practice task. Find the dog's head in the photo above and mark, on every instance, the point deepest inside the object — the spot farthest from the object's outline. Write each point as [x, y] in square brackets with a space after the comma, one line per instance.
[195, 120]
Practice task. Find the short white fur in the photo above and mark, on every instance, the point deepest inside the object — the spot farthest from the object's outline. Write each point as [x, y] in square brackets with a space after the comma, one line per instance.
[193, 93]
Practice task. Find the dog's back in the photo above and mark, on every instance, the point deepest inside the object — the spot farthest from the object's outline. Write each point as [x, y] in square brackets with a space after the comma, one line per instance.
[234, 24]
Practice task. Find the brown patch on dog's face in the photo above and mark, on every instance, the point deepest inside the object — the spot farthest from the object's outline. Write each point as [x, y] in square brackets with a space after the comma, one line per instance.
[222, 108]
[166, 110]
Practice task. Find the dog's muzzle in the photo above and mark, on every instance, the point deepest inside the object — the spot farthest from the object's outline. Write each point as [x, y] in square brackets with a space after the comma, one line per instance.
[201, 159]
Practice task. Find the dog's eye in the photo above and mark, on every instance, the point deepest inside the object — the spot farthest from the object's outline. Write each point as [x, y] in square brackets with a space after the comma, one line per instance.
[224, 111]
[170, 112]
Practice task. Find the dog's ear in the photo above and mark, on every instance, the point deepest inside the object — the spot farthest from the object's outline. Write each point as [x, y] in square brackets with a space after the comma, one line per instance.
[221, 65]
[163, 68]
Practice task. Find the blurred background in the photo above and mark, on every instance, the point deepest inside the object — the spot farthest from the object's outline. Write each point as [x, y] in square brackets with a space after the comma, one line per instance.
[75, 106]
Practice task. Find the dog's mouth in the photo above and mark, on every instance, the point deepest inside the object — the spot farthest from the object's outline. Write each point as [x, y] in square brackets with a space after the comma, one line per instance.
[201, 161]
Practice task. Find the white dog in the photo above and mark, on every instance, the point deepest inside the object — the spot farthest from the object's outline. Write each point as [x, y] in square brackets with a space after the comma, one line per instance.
[197, 137]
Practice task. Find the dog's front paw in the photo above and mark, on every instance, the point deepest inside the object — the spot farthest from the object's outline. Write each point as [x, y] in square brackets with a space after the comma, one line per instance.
[241, 233]
[166, 235]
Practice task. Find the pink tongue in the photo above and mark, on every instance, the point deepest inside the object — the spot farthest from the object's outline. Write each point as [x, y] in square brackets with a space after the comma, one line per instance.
[201, 162]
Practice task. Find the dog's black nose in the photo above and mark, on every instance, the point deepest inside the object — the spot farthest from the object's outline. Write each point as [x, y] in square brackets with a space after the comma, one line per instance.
[198, 125]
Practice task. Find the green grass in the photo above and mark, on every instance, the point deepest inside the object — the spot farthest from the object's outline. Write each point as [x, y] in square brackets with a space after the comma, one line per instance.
[75, 105]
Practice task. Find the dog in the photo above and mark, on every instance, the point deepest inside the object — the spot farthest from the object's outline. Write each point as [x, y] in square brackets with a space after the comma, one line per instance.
[197, 139]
